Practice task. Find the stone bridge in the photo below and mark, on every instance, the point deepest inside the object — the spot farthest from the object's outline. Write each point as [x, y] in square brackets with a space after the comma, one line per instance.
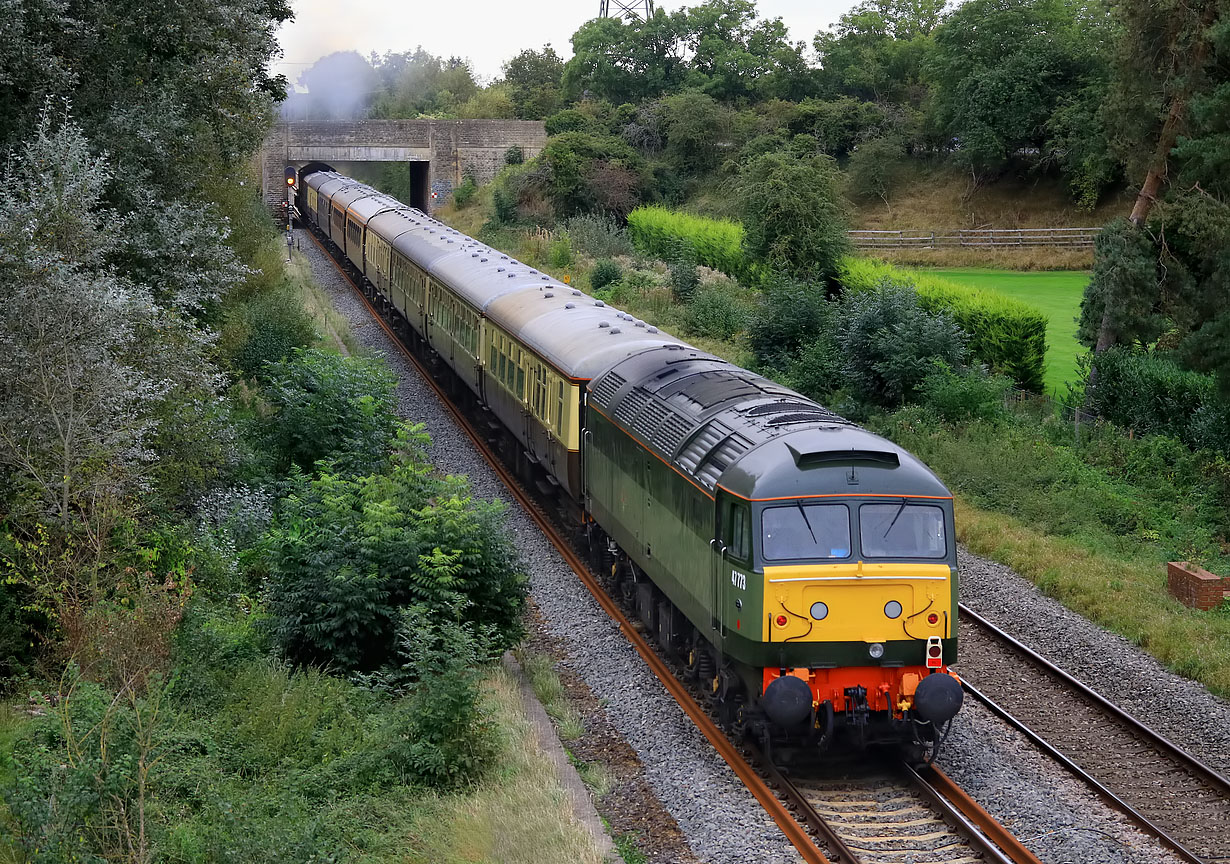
[439, 153]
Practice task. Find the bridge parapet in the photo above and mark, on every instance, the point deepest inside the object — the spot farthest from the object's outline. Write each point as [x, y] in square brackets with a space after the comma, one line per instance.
[450, 148]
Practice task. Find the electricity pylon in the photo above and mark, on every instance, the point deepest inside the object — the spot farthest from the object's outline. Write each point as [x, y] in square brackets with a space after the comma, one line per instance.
[629, 10]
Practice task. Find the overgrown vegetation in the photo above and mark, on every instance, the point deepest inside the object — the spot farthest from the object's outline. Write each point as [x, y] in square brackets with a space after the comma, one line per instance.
[241, 615]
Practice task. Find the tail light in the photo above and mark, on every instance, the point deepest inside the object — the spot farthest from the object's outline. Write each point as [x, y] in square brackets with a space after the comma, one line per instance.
[935, 653]
[781, 621]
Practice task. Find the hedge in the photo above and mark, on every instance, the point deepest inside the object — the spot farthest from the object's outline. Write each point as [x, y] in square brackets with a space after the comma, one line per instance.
[1006, 334]
[714, 243]
[1148, 393]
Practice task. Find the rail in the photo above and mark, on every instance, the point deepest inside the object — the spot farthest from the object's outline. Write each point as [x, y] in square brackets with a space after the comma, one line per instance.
[1078, 238]
[1208, 789]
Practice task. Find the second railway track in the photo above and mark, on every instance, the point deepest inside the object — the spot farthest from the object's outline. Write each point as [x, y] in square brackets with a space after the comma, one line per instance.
[1161, 787]
[949, 825]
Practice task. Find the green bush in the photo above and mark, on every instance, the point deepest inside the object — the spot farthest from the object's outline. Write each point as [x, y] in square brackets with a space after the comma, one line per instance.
[714, 243]
[265, 329]
[514, 155]
[789, 315]
[684, 277]
[719, 311]
[891, 343]
[568, 120]
[347, 554]
[600, 236]
[559, 252]
[605, 272]
[793, 216]
[330, 407]
[1151, 394]
[817, 369]
[439, 736]
[962, 396]
[1006, 334]
[464, 194]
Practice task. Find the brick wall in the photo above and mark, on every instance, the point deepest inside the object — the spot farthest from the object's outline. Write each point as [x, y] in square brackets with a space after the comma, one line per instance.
[1194, 586]
[454, 148]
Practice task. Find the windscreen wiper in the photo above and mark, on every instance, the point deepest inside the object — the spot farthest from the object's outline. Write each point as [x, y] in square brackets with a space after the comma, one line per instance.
[807, 522]
[895, 515]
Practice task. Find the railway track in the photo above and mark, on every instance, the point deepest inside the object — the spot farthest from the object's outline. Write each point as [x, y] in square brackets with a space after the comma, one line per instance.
[1162, 788]
[798, 812]
[894, 813]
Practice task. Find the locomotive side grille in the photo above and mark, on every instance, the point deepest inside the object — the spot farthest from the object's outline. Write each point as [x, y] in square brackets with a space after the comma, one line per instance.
[721, 458]
[630, 407]
[700, 446]
[650, 417]
[604, 389]
[671, 432]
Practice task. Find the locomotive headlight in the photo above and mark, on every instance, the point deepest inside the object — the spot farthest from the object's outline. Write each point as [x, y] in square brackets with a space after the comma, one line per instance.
[876, 650]
[819, 611]
[892, 609]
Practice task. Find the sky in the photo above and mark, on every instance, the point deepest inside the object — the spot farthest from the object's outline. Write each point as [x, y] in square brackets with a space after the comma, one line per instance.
[487, 32]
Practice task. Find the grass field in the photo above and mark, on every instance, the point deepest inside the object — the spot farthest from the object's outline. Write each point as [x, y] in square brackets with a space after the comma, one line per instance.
[1057, 293]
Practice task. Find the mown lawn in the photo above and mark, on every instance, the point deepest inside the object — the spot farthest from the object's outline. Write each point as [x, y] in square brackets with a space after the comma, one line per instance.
[1056, 292]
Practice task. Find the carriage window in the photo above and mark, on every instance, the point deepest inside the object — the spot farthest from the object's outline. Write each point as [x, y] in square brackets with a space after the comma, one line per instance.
[902, 530]
[806, 531]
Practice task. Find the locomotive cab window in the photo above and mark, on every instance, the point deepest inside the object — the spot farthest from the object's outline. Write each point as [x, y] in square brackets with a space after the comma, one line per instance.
[738, 531]
[902, 530]
[806, 531]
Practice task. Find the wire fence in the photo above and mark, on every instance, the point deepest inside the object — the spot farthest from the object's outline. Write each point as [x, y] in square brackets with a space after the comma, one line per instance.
[1075, 238]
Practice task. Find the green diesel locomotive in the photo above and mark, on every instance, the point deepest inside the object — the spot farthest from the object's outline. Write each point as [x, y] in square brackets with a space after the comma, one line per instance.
[803, 569]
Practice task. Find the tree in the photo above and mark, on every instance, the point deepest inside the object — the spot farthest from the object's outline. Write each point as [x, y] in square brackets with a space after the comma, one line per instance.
[1000, 69]
[534, 79]
[877, 50]
[695, 125]
[414, 83]
[792, 214]
[1167, 121]
[73, 405]
[627, 61]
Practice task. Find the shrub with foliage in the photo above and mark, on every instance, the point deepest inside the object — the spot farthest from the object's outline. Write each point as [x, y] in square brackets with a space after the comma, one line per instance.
[330, 407]
[877, 168]
[514, 155]
[715, 243]
[789, 315]
[1150, 393]
[265, 329]
[347, 554]
[891, 343]
[600, 236]
[719, 310]
[1006, 334]
[968, 395]
[439, 736]
[793, 217]
[465, 193]
[684, 277]
[605, 273]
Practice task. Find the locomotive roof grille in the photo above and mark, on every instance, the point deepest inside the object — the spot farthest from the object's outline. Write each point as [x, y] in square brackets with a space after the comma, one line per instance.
[800, 417]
